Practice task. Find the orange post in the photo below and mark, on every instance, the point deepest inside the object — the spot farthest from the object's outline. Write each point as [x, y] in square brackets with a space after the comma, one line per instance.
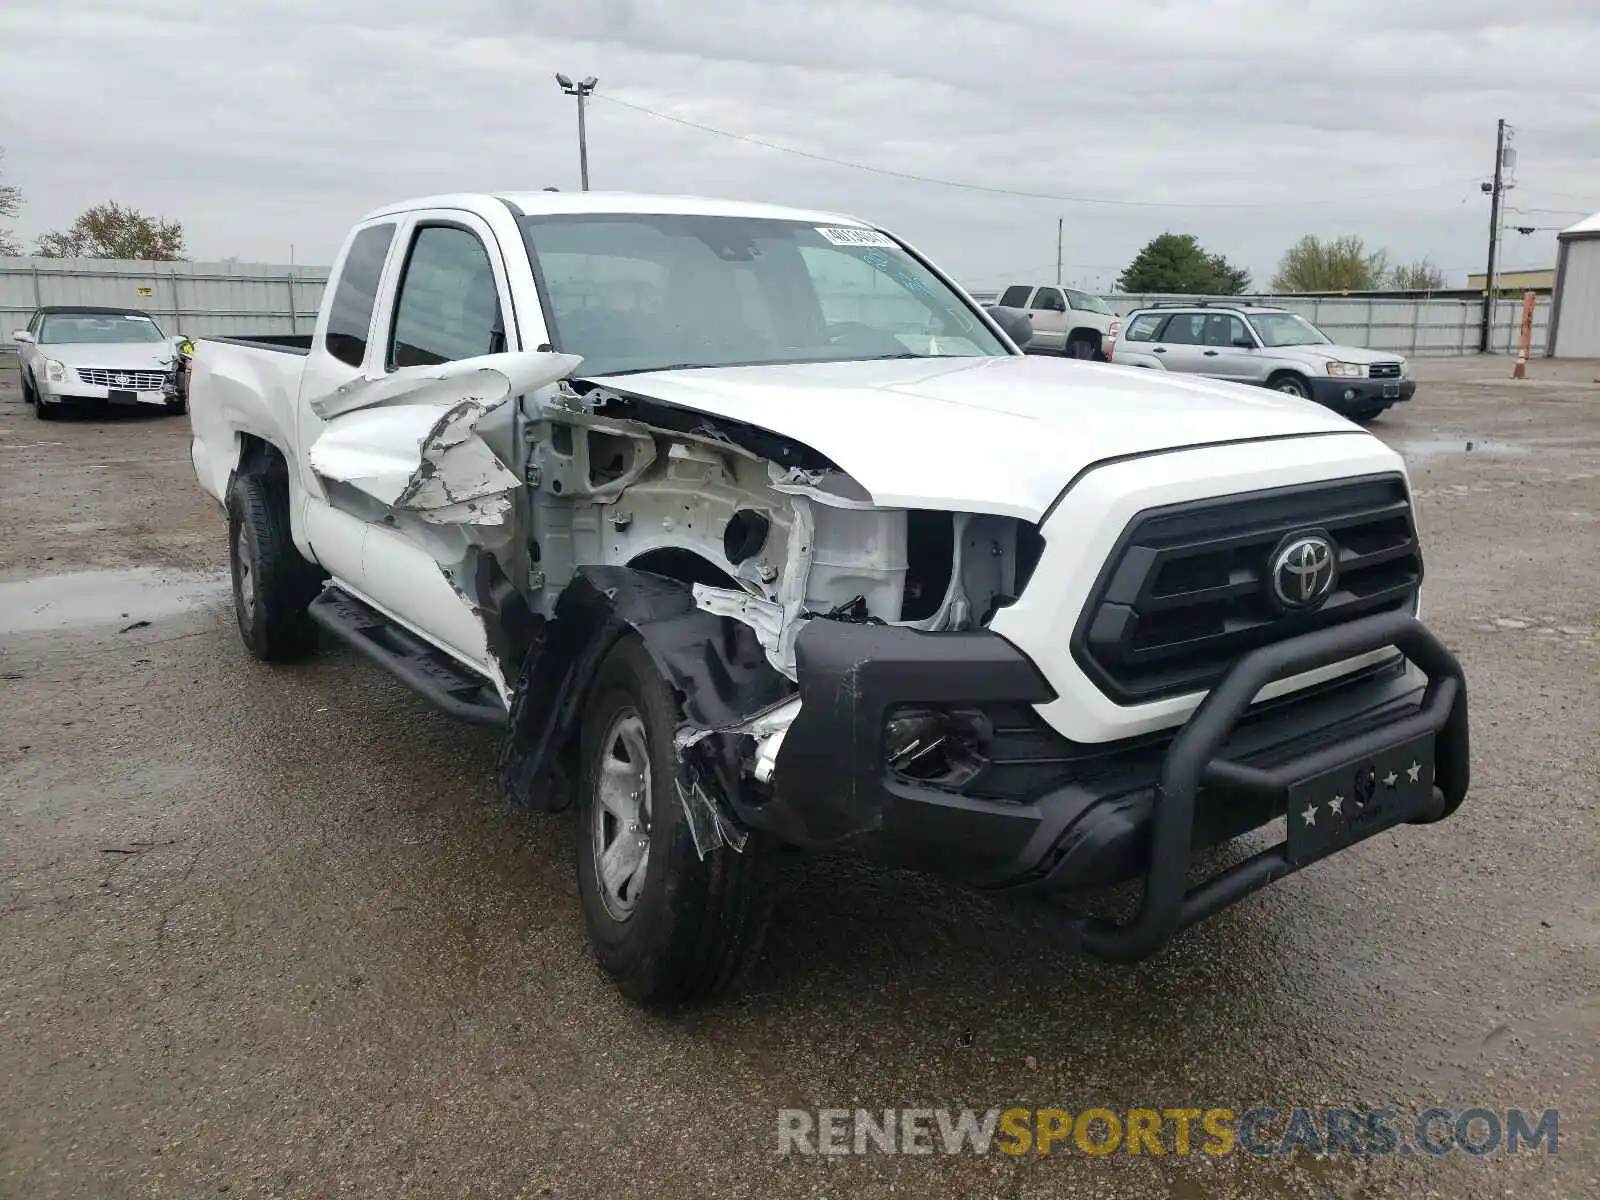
[1520, 371]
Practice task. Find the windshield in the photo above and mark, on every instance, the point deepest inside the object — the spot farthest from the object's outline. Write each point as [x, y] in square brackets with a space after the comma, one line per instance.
[97, 327]
[644, 292]
[1084, 302]
[1286, 329]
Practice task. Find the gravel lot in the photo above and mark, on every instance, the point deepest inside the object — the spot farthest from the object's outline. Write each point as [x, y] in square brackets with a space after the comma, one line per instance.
[268, 932]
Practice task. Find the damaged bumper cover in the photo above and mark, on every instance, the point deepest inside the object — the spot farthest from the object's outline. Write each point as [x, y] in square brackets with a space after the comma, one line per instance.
[925, 750]
[1020, 810]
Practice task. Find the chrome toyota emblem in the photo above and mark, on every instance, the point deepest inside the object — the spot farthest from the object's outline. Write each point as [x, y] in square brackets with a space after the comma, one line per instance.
[122, 381]
[1303, 570]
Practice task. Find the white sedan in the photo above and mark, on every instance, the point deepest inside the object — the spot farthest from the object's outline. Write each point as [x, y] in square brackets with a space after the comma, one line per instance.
[77, 355]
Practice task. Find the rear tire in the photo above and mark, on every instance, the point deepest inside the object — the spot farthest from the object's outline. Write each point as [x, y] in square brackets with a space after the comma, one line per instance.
[1082, 347]
[669, 927]
[272, 584]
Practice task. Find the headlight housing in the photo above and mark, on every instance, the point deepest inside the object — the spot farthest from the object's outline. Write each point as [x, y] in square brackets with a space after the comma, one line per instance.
[1344, 370]
[55, 371]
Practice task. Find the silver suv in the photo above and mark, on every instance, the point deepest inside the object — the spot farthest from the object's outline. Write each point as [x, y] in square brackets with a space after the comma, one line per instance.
[1271, 347]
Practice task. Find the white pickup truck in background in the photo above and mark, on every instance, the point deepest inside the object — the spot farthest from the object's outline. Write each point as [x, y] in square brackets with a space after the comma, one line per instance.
[752, 532]
[1065, 320]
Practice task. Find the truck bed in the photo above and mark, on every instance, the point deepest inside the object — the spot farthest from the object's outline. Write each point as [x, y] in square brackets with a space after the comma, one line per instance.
[281, 343]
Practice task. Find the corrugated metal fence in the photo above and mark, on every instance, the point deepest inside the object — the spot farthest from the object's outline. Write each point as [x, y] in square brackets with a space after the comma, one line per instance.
[192, 298]
[243, 298]
[1420, 327]
[1417, 328]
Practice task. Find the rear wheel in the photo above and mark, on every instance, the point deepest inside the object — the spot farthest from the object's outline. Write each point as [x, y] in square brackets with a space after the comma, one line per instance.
[1290, 385]
[272, 584]
[668, 926]
[1082, 346]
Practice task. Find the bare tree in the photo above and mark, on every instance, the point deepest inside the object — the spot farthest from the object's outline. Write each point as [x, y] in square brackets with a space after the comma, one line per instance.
[1341, 265]
[111, 231]
[10, 206]
[1419, 276]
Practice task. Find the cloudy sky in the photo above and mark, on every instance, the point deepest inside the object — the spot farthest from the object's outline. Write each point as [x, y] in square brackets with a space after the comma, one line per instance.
[265, 123]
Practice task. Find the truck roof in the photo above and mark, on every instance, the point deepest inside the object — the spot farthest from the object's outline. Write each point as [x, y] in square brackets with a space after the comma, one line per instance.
[535, 203]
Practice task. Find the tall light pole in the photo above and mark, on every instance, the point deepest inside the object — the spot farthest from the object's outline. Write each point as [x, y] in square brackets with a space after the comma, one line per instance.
[583, 89]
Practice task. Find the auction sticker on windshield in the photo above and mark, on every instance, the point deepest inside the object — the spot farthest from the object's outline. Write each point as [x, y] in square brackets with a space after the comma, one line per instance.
[856, 237]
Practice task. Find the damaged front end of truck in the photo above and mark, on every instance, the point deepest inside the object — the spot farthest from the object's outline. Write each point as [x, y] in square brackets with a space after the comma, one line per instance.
[831, 661]
[737, 556]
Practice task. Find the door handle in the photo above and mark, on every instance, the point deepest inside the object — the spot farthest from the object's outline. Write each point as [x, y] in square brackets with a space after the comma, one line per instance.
[1159, 350]
[1211, 353]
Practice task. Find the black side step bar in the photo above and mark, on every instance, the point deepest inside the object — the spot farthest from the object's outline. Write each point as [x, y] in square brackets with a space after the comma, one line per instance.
[455, 689]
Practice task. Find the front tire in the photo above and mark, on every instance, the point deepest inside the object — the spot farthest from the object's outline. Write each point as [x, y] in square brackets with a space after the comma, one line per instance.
[1290, 385]
[42, 410]
[669, 927]
[272, 584]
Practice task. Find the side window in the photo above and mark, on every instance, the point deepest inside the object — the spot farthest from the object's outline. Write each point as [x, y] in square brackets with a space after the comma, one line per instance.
[350, 313]
[1185, 329]
[1143, 327]
[1015, 296]
[1049, 300]
[448, 305]
[1237, 332]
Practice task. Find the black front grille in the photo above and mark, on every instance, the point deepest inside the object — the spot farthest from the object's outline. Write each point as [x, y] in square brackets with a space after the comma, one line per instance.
[1186, 593]
[1389, 370]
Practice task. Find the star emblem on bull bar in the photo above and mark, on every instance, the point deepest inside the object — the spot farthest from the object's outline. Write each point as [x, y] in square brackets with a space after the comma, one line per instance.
[1336, 806]
[1310, 814]
[1414, 771]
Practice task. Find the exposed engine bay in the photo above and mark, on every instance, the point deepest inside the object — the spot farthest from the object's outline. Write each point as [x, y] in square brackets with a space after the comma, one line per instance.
[718, 543]
[768, 533]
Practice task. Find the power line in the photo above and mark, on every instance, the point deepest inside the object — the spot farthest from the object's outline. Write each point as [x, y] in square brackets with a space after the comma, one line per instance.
[1574, 212]
[1003, 191]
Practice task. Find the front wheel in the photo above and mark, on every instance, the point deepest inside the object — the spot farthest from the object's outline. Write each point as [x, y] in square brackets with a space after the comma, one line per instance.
[43, 409]
[668, 926]
[1291, 385]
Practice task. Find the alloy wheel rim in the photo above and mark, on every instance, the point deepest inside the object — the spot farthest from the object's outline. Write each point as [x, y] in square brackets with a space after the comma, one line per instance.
[620, 815]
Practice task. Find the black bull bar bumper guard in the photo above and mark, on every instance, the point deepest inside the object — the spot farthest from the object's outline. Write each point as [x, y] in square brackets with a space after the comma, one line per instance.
[1192, 763]
[832, 782]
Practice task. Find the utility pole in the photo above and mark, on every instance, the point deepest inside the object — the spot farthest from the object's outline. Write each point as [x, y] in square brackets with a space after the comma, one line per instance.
[1496, 191]
[1060, 221]
[582, 90]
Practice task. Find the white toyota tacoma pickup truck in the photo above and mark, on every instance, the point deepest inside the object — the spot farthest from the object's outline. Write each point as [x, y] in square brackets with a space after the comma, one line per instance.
[753, 532]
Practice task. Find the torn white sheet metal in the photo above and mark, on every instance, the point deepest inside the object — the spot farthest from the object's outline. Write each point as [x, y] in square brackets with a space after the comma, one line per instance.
[769, 730]
[488, 379]
[424, 458]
